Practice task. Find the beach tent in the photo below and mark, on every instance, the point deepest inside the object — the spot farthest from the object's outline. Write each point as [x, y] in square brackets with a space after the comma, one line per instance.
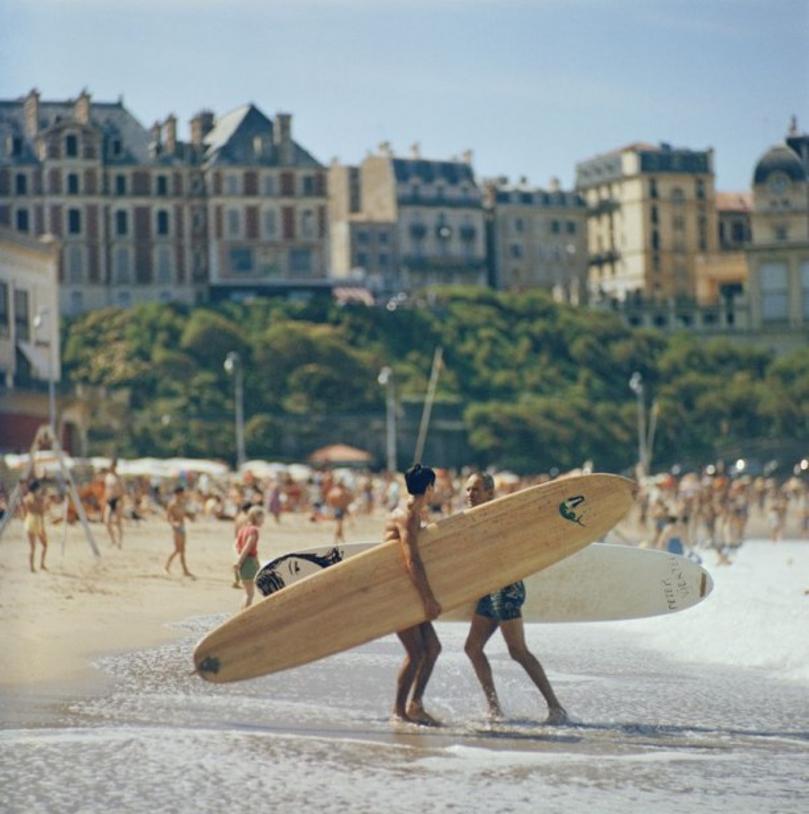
[264, 469]
[45, 462]
[336, 454]
[199, 466]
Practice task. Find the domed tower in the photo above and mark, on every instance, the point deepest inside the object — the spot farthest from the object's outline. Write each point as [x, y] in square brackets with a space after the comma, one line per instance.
[779, 255]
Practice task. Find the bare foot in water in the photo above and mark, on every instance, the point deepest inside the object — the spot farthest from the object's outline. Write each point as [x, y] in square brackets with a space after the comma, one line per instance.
[418, 715]
[557, 716]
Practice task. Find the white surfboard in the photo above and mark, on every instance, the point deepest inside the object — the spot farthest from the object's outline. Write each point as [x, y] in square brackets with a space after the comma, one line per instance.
[602, 582]
[371, 594]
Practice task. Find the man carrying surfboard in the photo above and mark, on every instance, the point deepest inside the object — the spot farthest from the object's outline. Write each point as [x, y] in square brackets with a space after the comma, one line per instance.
[420, 641]
[503, 609]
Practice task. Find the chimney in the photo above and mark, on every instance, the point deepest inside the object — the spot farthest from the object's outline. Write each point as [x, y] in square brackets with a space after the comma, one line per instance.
[201, 125]
[31, 112]
[282, 137]
[554, 185]
[170, 129]
[415, 150]
[81, 108]
[385, 149]
[467, 156]
[154, 139]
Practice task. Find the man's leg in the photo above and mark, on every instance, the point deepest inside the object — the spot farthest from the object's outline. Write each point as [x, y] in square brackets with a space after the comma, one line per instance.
[480, 632]
[32, 542]
[514, 634]
[431, 648]
[411, 641]
[181, 547]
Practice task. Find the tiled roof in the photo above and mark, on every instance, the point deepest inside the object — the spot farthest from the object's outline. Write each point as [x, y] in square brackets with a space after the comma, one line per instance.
[734, 201]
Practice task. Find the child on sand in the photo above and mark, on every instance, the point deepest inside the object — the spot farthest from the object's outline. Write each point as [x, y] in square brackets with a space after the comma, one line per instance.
[176, 513]
[33, 506]
[246, 566]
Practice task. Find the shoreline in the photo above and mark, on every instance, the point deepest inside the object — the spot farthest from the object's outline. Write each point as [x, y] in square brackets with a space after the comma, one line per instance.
[56, 624]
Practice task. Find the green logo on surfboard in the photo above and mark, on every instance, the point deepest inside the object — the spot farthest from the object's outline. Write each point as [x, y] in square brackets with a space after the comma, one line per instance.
[567, 508]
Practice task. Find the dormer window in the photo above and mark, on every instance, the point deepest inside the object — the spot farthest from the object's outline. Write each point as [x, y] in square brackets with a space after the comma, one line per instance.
[71, 145]
[14, 145]
[116, 147]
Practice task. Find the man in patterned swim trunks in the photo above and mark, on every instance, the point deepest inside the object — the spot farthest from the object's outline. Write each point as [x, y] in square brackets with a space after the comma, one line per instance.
[503, 609]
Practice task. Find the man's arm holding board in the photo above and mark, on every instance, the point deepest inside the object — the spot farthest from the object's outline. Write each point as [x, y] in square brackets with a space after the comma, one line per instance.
[408, 537]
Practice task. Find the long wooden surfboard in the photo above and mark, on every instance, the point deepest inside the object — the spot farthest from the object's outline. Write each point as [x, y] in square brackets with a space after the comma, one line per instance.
[598, 584]
[465, 556]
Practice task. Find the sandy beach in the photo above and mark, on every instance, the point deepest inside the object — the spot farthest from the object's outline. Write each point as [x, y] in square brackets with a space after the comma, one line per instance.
[100, 711]
[55, 623]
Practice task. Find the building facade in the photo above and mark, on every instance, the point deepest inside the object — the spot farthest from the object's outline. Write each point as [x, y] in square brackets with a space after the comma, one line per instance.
[651, 212]
[538, 239]
[778, 257]
[266, 204]
[143, 216]
[413, 222]
[29, 335]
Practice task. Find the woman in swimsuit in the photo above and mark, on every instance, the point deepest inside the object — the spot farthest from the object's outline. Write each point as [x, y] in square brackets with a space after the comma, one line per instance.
[33, 505]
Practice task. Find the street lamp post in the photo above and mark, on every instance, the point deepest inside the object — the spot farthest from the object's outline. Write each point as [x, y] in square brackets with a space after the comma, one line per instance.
[233, 365]
[385, 378]
[636, 386]
[39, 321]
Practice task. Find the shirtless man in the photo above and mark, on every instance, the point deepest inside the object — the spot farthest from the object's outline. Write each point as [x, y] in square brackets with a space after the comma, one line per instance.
[339, 498]
[33, 506]
[503, 610]
[176, 513]
[114, 509]
[420, 641]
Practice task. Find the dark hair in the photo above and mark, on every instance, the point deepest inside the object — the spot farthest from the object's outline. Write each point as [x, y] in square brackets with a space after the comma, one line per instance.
[34, 485]
[178, 489]
[246, 506]
[486, 479]
[418, 478]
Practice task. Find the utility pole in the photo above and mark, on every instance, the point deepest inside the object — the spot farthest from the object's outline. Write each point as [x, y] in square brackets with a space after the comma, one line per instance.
[428, 403]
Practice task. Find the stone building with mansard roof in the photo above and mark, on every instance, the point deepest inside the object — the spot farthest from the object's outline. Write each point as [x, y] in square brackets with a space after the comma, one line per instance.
[144, 216]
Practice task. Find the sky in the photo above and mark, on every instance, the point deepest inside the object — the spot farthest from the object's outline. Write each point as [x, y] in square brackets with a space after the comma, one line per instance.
[530, 86]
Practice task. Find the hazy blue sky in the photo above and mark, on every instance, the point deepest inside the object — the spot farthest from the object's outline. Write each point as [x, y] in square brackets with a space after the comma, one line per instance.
[530, 86]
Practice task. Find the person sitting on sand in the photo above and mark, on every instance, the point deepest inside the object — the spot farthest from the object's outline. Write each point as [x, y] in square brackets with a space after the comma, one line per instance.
[420, 641]
[33, 506]
[176, 513]
[503, 609]
[246, 566]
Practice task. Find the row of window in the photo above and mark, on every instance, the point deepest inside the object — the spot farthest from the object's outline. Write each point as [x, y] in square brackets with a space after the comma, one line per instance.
[364, 259]
[74, 222]
[123, 266]
[544, 253]
[271, 185]
[285, 184]
[677, 194]
[554, 227]
[270, 224]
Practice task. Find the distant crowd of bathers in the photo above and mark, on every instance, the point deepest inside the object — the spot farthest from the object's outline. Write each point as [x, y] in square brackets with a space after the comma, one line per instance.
[705, 508]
